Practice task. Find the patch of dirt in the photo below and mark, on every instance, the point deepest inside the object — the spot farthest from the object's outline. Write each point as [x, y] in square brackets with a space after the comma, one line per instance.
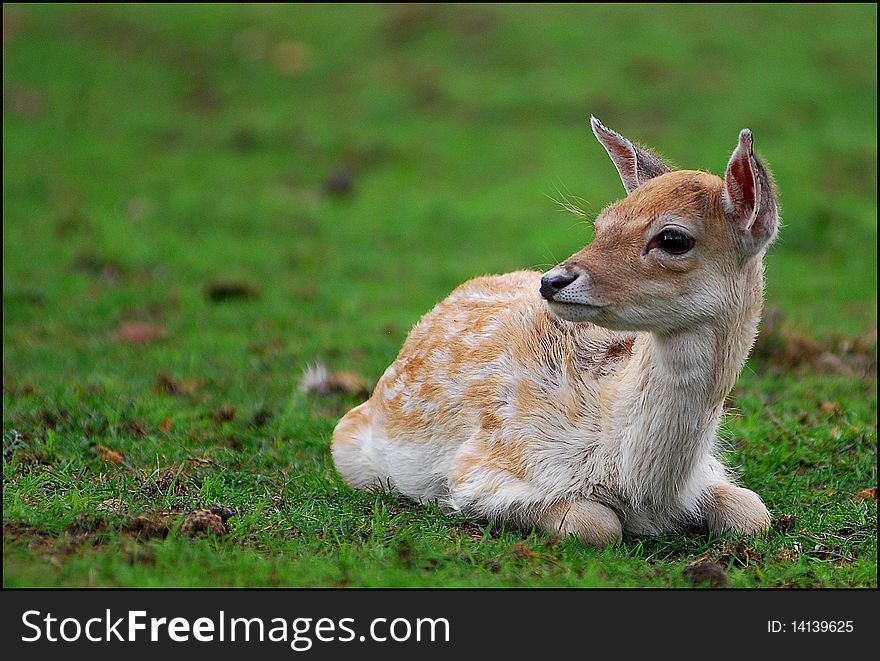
[53, 419]
[23, 102]
[225, 413]
[113, 505]
[87, 524]
[91, 529]
[18, 530]
[740, 553]
[85, 529]
[151, 525]
[169, 481]
[782, 348]
[407, 23]
[783, 522]
[786, 555]
[405, 553]
[474, 532]
[13, 22]
[225, 513]
[135, 427]
[202, 521]
[107, 270]
[340, 182]
[520, 551]
[290, 58]
[28, 296]
[16, 390]
[138, 554]
[268, 347]
[204, 96]
[706, 572]
[245, 139]
[169, 385]
[261, 418]
[219, 291]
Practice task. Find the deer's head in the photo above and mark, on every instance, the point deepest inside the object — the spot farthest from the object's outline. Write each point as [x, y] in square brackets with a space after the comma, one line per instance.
[677, 251]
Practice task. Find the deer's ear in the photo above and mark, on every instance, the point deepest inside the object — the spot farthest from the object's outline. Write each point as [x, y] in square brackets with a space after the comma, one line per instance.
[634, 164]
[741, 187]
[749, 196]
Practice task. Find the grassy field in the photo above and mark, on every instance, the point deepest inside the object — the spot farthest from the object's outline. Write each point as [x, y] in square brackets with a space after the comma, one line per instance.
[198, 202]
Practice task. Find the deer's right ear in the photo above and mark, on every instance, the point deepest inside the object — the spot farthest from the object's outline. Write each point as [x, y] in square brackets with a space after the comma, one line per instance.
[749, 196]
[634, 164]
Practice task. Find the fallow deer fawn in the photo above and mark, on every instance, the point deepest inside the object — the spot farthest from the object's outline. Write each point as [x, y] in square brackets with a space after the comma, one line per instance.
[587, 401]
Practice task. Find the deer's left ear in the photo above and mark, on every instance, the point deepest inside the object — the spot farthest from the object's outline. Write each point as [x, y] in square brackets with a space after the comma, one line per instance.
[749, 196]
[634, 164]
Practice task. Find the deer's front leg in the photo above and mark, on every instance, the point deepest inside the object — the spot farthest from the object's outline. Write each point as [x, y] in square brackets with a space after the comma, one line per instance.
[592, 523]
[486, 481]
[735, 509]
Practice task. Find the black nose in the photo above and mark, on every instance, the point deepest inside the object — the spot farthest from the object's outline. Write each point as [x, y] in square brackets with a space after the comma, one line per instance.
[550, 284]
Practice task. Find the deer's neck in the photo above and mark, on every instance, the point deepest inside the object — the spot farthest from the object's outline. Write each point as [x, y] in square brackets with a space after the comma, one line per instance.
[676, 386]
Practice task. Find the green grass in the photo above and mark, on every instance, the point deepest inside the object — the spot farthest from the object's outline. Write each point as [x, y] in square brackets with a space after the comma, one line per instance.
[152, 151]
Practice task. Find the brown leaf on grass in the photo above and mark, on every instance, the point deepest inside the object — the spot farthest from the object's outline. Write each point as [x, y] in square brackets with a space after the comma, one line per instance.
[867, 494]
[165, 425]
[831, 408]
[107, 454]
[139, 332]
[225, 290]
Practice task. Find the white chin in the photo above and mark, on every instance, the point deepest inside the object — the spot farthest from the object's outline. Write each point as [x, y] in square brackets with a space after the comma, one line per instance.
[574, 311]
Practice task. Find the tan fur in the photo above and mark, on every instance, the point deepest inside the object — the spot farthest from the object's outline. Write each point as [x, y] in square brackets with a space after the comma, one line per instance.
[596, 410]
[592, 523]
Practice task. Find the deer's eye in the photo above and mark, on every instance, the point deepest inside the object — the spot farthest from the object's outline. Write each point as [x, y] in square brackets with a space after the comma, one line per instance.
[675, 242]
